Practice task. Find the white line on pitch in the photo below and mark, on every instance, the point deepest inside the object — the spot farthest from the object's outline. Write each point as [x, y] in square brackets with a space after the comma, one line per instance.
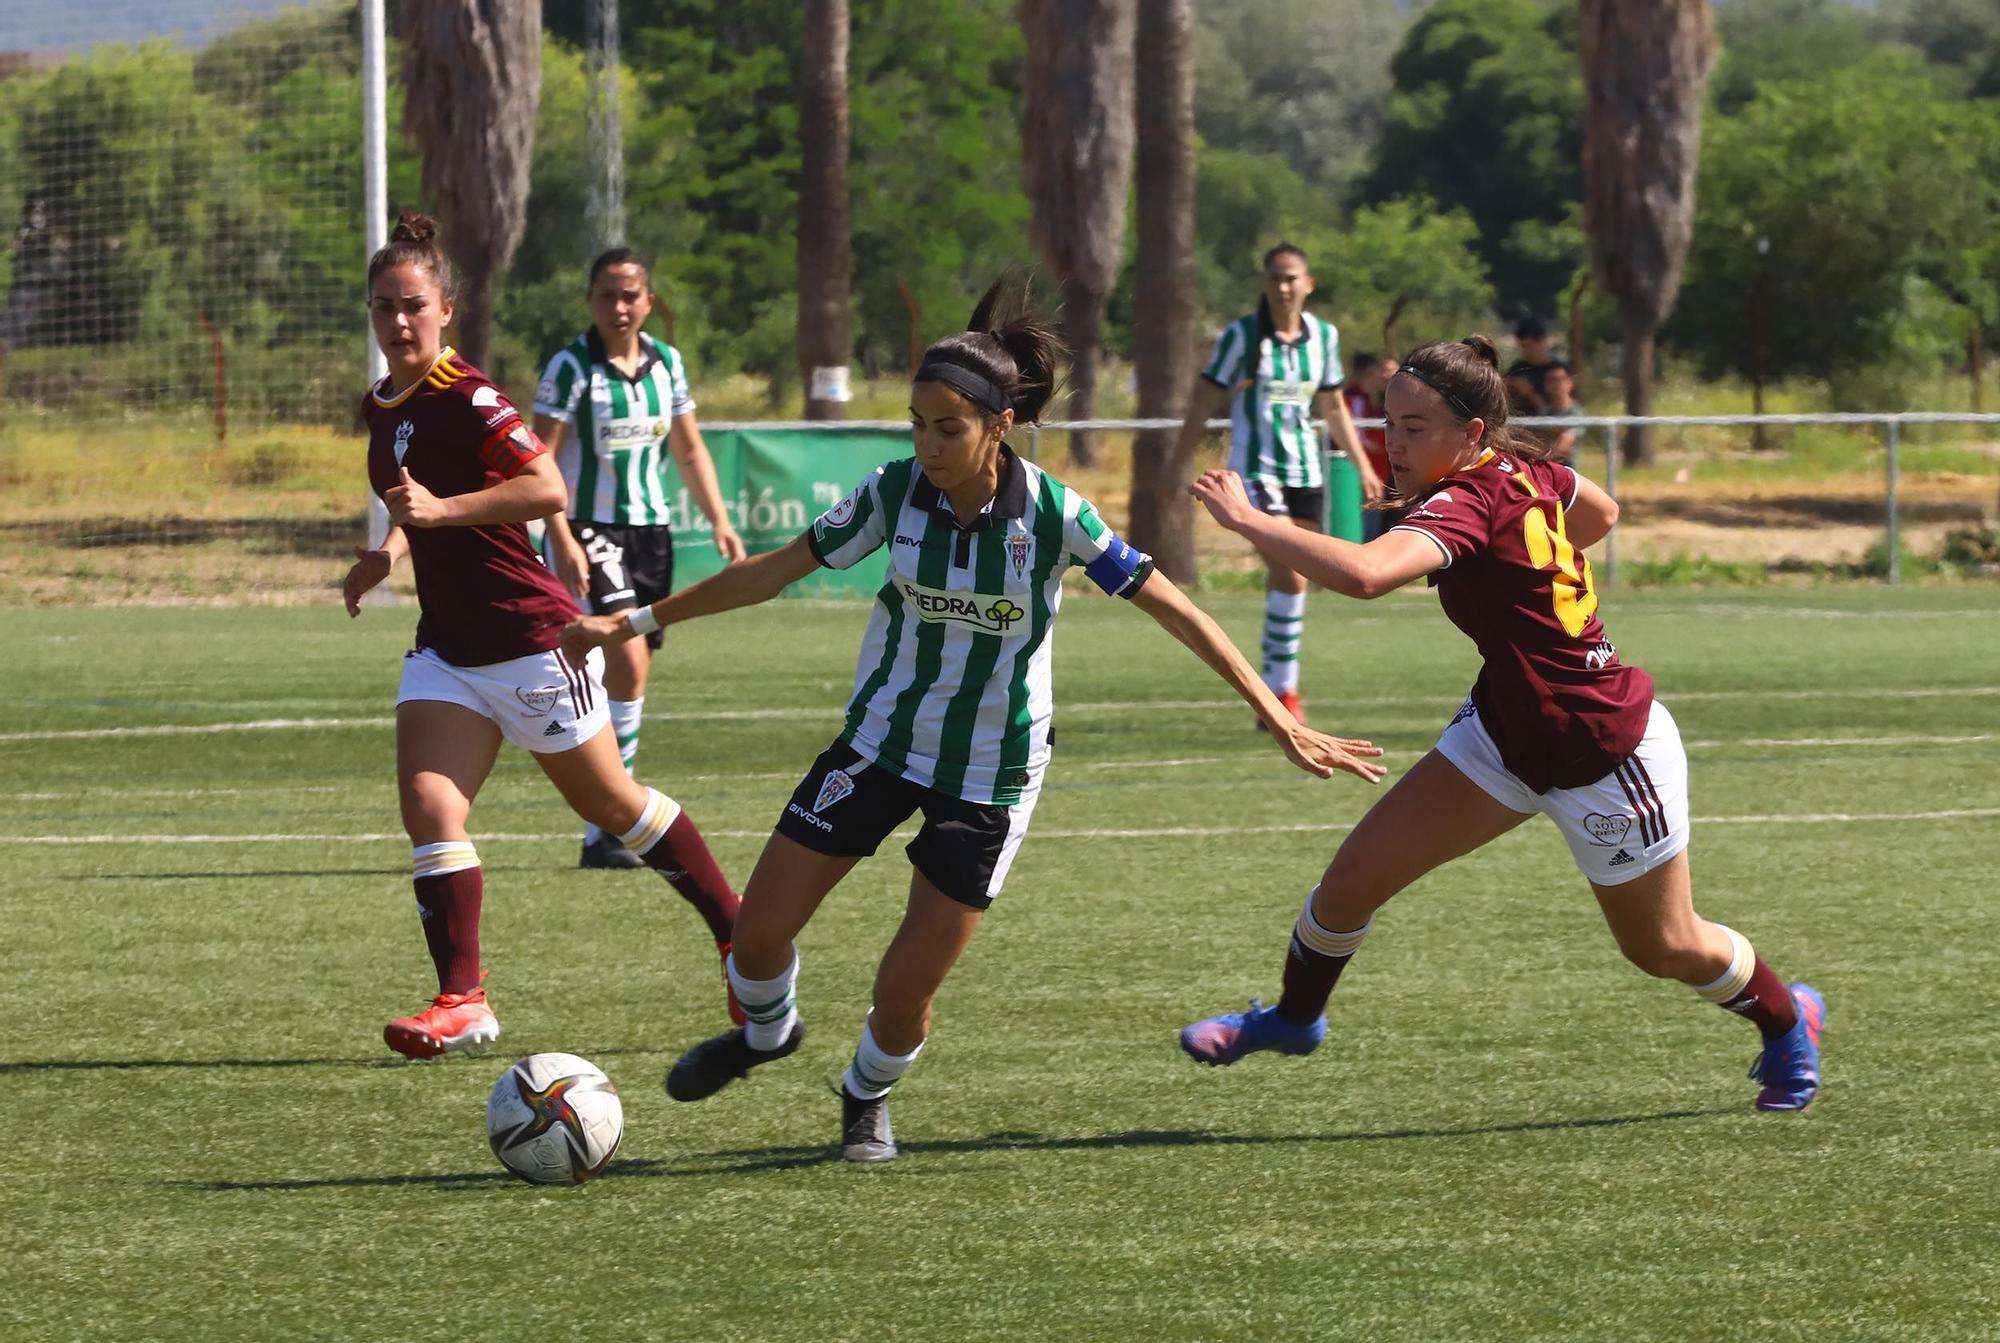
[832, 714]
[1161, 832]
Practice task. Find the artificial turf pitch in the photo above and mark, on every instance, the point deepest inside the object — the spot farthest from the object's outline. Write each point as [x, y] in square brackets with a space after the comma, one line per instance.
[1509, 1134]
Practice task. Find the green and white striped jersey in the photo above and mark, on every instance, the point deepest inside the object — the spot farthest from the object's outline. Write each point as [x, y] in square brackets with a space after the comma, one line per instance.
[952, 688]
[614, 454]
[1272, 384]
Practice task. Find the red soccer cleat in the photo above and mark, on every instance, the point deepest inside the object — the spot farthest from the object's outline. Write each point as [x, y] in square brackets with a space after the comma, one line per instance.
[453, 1021]
[736, 1013]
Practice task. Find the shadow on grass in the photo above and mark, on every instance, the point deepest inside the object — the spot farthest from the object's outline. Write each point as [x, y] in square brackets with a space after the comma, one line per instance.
[752, 1160]
[374, 1061]
[403, 871]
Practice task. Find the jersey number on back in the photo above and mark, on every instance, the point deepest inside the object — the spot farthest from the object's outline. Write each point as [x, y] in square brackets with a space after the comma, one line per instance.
[1549, 547]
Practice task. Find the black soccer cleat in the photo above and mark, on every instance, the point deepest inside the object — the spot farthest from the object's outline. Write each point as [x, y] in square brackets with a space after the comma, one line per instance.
[864, 1129]
[721, 1059]
[607, 851]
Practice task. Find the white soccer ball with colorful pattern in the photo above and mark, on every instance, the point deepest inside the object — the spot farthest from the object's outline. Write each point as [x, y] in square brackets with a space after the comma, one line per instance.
[555, 1119]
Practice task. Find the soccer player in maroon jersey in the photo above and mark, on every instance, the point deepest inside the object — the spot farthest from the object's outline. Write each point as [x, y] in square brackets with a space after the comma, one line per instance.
[1556, 722]
[461, 474]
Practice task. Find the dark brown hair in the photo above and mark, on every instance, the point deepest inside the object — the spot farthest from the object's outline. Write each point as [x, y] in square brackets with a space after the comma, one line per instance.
[619, 256]
[1465, 374]
[1264, 300]
[1008, 344]
[413, 242]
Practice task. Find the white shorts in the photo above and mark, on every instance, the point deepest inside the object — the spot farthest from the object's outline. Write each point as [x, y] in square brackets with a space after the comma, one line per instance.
[542, 702]
[1623, 826]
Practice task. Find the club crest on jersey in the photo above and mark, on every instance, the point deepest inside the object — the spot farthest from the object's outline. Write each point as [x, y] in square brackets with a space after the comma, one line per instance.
[1020, 549]
[538, 700]
[1607, 830]
[837, 784]
[403, 432]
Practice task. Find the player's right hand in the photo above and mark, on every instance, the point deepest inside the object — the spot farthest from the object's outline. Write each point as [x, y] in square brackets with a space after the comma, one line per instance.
[588, 632]
[572, 567]
[370, 568]
[1317, 753]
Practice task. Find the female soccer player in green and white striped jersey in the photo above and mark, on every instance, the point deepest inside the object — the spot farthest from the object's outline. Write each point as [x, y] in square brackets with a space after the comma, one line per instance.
[607, 404]
[951, 707]
[1275, 369]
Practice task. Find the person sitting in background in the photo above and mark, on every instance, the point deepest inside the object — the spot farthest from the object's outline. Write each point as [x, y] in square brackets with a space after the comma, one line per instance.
[1525, 375]
[1559, 394]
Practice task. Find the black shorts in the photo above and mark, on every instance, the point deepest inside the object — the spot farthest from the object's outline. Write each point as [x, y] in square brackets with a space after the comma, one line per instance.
[846, 806]
[1288, 501]
[629, 566]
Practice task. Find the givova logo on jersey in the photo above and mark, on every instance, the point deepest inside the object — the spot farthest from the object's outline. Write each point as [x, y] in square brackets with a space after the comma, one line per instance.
[989, 614]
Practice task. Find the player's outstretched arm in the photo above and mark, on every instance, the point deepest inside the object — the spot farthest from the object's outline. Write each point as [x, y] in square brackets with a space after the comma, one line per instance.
[1314, 752]
[745, 583]
[1383, 565]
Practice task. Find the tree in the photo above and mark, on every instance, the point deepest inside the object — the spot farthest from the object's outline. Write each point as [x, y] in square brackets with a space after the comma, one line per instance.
[1824, 172]
[1485, 117]
[1645, 68]
[471, 75]
[1076, 150]
[825, 321]
[1163, 334]
[1407, 262]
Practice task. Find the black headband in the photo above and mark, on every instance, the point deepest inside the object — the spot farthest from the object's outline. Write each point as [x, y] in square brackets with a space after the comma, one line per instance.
[974, 387]
[1457, 406]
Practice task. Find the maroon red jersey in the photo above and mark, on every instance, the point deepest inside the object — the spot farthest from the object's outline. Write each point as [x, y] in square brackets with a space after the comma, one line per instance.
[485, 594]
[1559, 705]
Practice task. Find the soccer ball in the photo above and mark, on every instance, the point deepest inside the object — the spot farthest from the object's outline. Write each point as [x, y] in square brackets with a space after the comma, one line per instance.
[554, 1119]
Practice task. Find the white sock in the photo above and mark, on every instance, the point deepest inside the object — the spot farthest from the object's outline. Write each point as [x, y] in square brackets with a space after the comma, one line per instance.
[625, 715]
[659, 816]
[874, 1070]
[1284, 624]
[769, 1003]
[1742, 964]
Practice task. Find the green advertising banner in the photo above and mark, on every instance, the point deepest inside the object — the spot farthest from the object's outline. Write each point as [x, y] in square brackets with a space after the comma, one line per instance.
[774, 483]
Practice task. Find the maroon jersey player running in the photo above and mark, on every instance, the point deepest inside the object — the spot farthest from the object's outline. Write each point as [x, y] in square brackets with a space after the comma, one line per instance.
[1556, 722]
[460, 474]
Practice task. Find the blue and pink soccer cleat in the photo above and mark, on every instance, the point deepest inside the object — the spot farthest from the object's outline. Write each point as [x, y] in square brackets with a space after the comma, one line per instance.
[1220, 1041]
[1789, 1065]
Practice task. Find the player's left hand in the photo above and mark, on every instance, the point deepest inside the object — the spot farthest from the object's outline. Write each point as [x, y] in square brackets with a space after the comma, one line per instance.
[588, 632]
[1317, 753]
[729, 545]
[411, 505]
[1223, 495]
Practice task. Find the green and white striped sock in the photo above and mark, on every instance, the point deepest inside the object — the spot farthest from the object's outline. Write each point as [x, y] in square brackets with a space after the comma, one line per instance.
[874, 1070]
[625, 716]
[1284, 625]
[771, 1005]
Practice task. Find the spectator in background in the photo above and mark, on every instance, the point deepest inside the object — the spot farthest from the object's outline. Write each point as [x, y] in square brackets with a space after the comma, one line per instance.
[1367, 378]
[1559, 396]
[1525, 375]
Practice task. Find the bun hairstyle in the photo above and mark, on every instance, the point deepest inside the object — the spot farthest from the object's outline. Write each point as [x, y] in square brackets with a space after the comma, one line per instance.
[413, 242]
[1008, 357]
[1465, 374]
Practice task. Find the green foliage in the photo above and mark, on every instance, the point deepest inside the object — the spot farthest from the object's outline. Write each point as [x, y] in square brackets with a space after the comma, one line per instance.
[1412, 252]
[1485, 117]
[1858, 180]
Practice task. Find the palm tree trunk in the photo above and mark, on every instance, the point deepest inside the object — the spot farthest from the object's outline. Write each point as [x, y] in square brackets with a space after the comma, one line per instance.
[1163, 350]
[825, 338]
[1076, 157]
[1635, 368]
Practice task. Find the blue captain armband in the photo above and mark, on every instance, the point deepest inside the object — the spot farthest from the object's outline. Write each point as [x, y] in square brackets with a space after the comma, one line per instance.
[1121, 570]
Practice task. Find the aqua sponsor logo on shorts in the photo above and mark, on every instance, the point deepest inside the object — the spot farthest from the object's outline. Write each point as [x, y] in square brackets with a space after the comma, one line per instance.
[989, 614]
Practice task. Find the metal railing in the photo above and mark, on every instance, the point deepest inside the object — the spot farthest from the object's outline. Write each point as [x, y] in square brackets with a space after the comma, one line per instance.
[1890, 422]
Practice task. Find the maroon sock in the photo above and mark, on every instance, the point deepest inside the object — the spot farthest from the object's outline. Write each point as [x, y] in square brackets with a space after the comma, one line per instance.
[1309, 979]
[449, 907]
[682, 857]
[1766, 1001]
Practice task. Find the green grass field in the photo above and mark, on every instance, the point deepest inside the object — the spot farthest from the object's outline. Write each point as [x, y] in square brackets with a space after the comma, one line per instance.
[1510, 1134]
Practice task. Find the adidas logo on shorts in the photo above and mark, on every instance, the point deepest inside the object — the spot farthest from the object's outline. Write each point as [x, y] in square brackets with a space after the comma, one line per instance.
[555, 729]
[1620, 858]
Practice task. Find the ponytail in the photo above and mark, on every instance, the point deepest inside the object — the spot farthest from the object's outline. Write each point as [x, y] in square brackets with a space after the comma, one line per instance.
[1008, 357]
